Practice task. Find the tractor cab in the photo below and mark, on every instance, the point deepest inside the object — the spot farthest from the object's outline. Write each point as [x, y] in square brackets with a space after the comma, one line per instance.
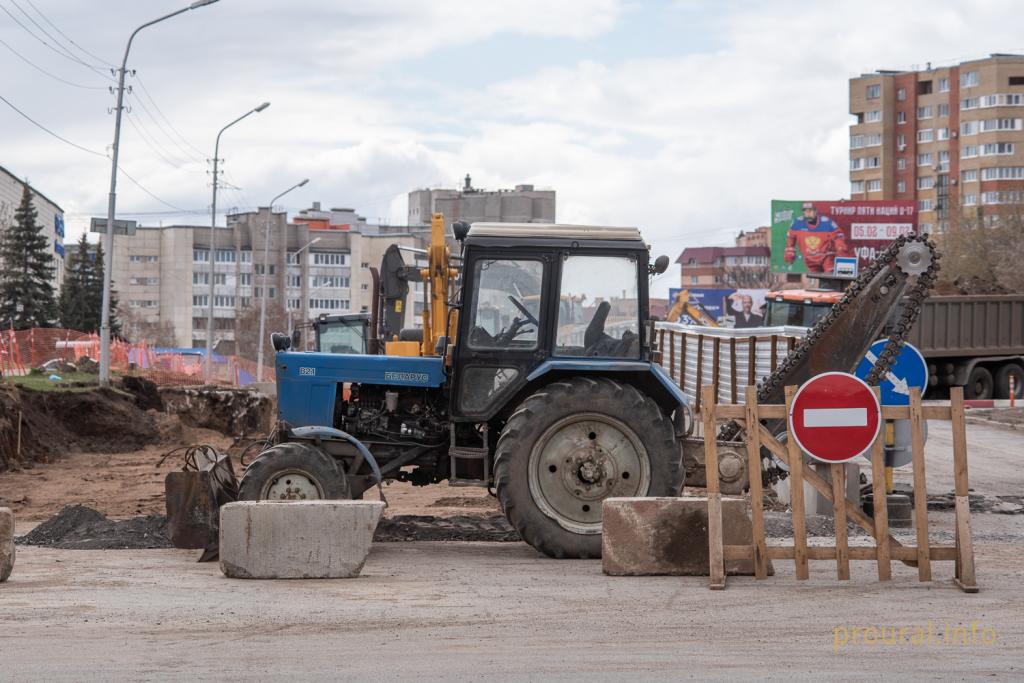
[343, 333]
[799, 307]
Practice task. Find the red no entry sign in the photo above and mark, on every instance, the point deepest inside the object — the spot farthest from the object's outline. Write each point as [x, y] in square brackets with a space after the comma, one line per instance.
[834, 417]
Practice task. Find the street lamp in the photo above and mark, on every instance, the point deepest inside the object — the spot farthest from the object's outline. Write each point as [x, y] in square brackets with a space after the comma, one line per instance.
[108, 265]
[208, 365]
[263, 291]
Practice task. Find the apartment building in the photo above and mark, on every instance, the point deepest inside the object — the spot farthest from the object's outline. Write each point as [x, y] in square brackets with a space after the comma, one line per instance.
[523, 204]
[50, 217]
[950, 138]
[709, 267]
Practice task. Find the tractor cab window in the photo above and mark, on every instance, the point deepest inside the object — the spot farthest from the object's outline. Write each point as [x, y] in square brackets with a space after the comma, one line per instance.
[506, 304]
[341, 337]
[599, 310]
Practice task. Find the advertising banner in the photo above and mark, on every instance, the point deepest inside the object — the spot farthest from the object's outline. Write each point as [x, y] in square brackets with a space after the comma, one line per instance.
[721, 307]
[819, 237]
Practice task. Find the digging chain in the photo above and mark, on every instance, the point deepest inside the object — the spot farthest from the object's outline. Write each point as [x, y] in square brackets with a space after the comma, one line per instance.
[915, 298]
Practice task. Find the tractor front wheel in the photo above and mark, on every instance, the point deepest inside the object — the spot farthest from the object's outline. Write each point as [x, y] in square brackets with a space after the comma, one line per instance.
[293, 471]
[573, 444]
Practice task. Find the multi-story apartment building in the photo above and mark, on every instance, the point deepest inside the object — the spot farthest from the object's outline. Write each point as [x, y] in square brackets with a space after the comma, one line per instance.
[712, 267]
[49, 216]
[951, 138]
[524, 204]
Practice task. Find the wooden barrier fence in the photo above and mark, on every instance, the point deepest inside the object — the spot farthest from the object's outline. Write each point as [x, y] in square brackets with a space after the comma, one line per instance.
[886, 548]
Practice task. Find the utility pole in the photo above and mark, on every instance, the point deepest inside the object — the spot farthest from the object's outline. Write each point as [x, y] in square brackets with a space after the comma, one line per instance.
[108, 260]
[208, 362]
[263, 290]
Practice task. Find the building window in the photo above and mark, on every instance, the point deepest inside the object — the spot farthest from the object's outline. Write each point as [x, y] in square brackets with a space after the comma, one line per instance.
[969, 103]
[874, 116]
[1002, 173]
[220, 278]
[874, 92]
[901, 117]
[856, 141]
[224, 301]
[924, 205]
[1016, 80]
[944, 160]
[1001, 124]
[245, 256]
[944, 84]
[870, 162]
[944, 109]
[924, 87]
[200, 255]
[942, 134]
[857, 163]
[246, 301]
[970, 199]
[924, 112]
[925, 135]
[200, 278]
[969, 176]
[969, 79]
[925, 228]
[294, 304]
[329, 304]
[258, 269]
[969, 128]
[901, 94]
[996, 148]
[329, 258]
[924, 159]
[144, 281]
[925, 182]
[968, 151]
[245, 279]
[318, 281]
[873, 140]
[198, 323]
[200, 299]
[857, 187]
[901, 186]
[293, 258]
[901, 164]
[294, 280]
[135, 258]
[225, 256]
[875, 185]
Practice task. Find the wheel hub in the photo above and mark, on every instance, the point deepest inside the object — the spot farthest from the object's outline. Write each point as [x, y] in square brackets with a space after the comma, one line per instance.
[581, 460]
[292, 485]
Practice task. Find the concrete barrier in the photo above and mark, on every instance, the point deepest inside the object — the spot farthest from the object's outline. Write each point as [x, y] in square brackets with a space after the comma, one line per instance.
[6, 543]
[669, 536]
[321, 539]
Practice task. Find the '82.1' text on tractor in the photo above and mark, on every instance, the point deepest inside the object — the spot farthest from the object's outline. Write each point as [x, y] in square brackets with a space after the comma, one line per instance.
[533, 373]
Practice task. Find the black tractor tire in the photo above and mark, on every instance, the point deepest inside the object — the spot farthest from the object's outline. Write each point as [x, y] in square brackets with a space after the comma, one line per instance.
[291, 458]
[1003, 374]
[555, 415]
[979, 384]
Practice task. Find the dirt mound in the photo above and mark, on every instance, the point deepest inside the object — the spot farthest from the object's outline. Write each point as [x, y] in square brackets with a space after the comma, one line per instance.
[494, 528]
[147, 396]
[78, 527]
[238, 412]
[969, 286]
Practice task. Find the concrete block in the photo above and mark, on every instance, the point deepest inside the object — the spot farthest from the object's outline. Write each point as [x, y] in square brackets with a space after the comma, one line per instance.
[320, 539]
[669, 536]
[6, 543]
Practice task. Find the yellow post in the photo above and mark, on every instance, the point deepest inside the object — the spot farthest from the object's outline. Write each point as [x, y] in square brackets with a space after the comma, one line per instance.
[437, 273]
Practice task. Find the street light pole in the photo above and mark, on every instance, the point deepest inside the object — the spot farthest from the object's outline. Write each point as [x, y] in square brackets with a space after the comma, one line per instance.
[108, 260]
[208, 363]
[263, 290]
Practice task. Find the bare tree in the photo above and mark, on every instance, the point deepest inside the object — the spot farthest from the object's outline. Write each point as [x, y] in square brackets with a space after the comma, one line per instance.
[746, 277]
[247, 329]
[987, 247]
[136, 329]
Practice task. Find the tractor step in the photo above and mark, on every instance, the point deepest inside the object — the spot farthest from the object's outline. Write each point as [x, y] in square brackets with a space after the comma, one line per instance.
[469, 466]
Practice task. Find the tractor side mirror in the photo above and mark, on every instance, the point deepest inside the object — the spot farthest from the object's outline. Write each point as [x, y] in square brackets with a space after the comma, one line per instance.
[460, 229]
[660, 265]
[280, 341]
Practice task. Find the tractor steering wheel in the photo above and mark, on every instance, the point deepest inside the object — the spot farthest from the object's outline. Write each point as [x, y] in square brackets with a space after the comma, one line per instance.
[525, 311]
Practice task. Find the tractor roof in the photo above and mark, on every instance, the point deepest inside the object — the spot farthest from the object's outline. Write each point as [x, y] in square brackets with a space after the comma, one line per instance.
[549, 233]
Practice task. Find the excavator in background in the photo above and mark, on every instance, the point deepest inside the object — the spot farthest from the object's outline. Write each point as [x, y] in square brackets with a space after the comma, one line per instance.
[694, 310]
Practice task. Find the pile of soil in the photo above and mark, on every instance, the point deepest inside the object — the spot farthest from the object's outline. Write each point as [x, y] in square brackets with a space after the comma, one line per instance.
[493, 528]
[969, 286]
[78, 527]
[238, 412]
[147, 396]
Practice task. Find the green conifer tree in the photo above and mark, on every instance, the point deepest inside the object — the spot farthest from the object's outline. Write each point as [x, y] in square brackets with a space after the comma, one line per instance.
[26, 279]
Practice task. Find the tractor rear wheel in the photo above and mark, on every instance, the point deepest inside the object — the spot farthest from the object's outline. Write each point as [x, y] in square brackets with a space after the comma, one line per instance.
[571, 445]
[293, 471]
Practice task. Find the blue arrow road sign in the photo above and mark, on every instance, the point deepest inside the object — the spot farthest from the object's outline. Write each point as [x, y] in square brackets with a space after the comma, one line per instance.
[910, 370]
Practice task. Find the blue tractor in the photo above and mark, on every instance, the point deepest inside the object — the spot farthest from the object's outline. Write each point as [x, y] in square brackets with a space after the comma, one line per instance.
[533, 374]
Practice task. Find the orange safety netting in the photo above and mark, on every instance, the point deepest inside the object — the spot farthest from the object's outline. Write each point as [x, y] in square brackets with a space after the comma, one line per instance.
[23, 350]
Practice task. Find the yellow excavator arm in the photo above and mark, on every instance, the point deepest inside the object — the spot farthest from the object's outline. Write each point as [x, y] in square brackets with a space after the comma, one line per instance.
[693, 310]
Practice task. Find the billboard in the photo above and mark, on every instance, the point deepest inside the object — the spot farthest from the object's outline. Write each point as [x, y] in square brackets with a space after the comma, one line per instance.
[822, 237]
[724, 307]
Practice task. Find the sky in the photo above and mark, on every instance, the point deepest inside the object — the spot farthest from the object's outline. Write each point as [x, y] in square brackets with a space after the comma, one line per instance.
[683, 118]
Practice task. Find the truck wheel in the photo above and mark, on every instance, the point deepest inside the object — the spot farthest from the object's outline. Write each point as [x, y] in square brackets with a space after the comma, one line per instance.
[293, 471]
[1003, 375]
[573, 444]
[979, 384]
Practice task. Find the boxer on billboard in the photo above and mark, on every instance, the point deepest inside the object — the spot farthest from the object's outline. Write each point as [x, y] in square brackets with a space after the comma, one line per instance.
[819, 240]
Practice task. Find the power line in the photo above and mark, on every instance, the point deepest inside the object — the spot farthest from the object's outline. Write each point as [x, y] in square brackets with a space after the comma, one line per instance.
[149, 96]
[46, 33]
[62, 54]
[44, 71]
[185, 153]
[149, 143]
[66, 36]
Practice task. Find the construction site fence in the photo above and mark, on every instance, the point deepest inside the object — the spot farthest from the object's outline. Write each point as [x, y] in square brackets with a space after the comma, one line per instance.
[726, 358]
[21, 351]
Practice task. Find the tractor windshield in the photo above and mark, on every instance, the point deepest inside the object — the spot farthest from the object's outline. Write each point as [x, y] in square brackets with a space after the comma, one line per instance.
[341, 337]
[506, 308]
[600, 311]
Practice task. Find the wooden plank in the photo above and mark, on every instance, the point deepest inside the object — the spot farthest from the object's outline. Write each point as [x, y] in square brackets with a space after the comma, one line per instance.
[672, 359]
[956, 405]
[715, 540]
[930, 412]
[881, 507]
[752, 360]
[787, 552]
[754, 477]
[716, 364]
[964, 547]
[698, 385]
[839, 517]
[661, 340]
[775, 351]
[924, 568]
[796, 497]
[738, 552]
[738, 412]
[682, 364]
[732, 370]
